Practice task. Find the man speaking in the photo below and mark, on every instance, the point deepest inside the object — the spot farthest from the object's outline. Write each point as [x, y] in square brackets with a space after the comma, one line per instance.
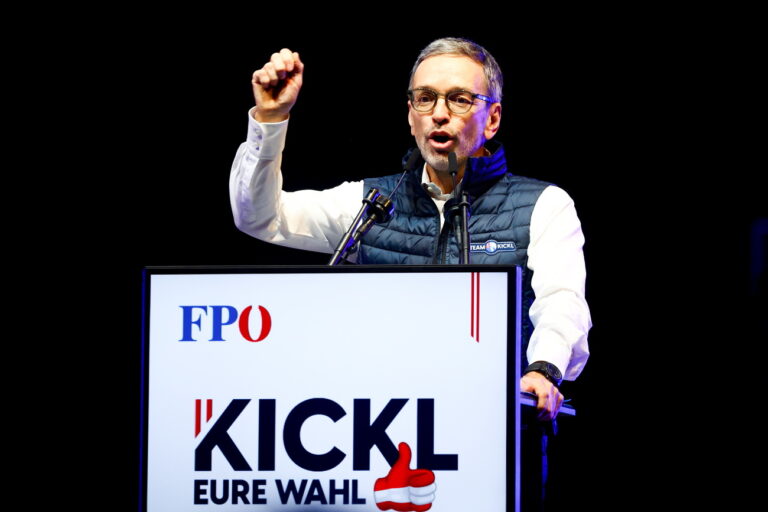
[454, 106]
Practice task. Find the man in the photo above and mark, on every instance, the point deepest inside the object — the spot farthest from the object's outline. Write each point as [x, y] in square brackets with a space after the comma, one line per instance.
[454, 105]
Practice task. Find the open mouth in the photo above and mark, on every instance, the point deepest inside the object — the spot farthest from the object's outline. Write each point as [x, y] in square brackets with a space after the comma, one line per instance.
[440, 140]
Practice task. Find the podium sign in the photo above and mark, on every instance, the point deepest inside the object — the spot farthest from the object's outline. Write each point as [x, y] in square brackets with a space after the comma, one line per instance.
[314, 388]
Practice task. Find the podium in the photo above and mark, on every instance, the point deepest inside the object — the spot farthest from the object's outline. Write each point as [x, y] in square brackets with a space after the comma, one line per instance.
[307, 388]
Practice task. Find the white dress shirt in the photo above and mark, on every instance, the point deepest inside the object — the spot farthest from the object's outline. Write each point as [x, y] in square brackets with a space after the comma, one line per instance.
[316, 220]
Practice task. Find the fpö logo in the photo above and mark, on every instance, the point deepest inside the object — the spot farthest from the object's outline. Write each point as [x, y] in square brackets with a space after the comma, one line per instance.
[402, 488]
[209, 323]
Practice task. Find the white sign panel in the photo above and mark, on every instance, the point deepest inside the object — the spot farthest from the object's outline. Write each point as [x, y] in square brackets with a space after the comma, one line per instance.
[329, 391]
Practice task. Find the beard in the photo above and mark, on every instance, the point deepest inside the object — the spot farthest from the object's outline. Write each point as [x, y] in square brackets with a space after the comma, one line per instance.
[438, 160]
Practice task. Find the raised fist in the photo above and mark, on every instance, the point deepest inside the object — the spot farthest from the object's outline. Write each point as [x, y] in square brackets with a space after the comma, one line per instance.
[405, 489]
[276, 86]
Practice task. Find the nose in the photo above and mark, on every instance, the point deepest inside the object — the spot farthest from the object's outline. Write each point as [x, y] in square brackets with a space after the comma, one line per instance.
[440, 113]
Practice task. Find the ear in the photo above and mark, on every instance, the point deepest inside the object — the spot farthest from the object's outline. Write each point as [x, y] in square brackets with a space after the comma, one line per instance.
[411, 113]
[493, 121]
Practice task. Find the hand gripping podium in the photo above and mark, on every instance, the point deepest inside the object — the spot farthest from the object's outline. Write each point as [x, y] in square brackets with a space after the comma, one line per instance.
[357, 388]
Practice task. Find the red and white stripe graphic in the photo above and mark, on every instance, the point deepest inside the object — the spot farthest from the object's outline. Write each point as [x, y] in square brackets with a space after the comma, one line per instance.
[405, 489]
[199, 413]
[474, 329]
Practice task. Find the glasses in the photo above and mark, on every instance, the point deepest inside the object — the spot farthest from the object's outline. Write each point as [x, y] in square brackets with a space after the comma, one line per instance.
[458, 102]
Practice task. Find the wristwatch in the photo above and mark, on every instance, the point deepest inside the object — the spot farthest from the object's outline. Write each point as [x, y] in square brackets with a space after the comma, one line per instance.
[548, 370]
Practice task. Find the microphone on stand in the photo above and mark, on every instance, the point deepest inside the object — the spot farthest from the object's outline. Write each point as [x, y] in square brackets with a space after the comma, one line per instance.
[376, 207]
[453, 168]
[410, 165]
[381, 208]
[456, 211]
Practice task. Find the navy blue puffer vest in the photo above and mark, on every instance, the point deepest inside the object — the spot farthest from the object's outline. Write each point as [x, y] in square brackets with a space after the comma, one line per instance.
[501, 207]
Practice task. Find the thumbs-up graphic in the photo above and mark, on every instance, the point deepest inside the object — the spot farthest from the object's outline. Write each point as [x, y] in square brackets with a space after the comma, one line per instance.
[405, 489]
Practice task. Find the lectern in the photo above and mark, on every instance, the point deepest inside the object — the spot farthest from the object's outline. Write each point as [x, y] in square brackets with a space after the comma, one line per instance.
[331, 388]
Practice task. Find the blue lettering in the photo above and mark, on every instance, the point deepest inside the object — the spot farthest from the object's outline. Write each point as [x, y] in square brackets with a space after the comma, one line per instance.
[316, 494]
[366, 435]
[258, 492]
[292, 434]
[200, 492]
[240, 491]
[217, 321]
[218, 437]
[290, 491]
[187, 322]
[220, 500]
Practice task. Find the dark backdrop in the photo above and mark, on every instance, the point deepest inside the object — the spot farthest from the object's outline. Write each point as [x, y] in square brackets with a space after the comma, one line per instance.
[606, 112]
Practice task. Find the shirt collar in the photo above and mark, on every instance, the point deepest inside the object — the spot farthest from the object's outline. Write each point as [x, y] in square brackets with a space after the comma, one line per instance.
[433, 189]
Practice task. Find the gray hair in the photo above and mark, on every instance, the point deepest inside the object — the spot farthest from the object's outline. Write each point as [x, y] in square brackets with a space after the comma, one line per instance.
[459, 46]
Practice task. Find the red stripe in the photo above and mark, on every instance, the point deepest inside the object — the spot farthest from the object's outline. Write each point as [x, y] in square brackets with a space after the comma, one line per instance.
[477, 331]
[403, 507]
[208, 410]
[197, 417]
[472, 320]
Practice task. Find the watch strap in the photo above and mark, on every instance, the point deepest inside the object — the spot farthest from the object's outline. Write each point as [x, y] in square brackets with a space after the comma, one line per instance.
[549, 371]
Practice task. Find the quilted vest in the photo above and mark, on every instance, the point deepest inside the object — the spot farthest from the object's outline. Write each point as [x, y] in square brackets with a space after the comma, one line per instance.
[501, 204]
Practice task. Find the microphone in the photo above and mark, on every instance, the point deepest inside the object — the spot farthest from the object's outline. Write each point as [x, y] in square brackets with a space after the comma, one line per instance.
[413, 159]
[410, 165]
[456, 211]
[453, 168]
[382, 208]
[451, 206]
[377, 207]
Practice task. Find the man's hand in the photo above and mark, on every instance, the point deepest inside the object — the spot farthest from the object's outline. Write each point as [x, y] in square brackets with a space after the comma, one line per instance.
[550, 398]
[276, 86]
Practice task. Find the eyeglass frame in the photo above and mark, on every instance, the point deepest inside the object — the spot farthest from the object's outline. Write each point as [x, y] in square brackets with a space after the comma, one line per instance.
[474, 96]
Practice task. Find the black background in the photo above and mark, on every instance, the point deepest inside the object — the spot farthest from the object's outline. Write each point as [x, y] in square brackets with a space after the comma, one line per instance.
[620, 114]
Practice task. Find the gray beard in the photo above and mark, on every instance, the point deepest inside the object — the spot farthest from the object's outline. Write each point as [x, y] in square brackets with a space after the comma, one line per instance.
[436, 161]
